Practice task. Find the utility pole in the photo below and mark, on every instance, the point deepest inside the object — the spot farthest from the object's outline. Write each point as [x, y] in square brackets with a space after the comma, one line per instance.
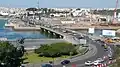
[115, 13]
[38, 4]
[38, 9]
[90, 15]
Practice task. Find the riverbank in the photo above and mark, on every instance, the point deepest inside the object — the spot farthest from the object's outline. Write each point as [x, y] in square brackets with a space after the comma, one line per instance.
[26, 28]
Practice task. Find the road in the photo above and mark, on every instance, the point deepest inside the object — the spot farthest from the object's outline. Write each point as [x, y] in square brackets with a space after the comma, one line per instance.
[31, 43]
[100, 53]
[97, 53]
[80, 63]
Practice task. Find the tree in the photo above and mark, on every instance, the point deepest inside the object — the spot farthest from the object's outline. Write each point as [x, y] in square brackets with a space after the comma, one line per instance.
[21, 41]
[10, 56]
[116, 56]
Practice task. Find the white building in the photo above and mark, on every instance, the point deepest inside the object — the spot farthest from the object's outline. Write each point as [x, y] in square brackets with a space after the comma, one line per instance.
[118, 16]
[67, 22]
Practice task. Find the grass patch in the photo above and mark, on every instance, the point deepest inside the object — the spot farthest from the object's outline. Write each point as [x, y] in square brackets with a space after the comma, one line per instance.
[34, 58]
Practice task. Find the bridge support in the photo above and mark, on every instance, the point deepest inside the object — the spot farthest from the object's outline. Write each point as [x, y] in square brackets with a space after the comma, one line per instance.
[49, 32]
[52, 33]
[61, 37]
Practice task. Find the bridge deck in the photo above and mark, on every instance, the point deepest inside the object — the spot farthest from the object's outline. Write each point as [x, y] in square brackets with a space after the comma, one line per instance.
[63, 34]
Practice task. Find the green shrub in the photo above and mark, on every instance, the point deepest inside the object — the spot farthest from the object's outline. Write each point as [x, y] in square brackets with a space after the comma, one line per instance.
[56, 50]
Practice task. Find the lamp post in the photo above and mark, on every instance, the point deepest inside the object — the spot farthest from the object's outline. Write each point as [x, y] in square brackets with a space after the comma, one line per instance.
[21, 41]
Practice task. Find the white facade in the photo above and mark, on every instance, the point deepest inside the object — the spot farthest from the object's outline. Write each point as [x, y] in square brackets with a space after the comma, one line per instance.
[4, 13]
[108, 32]
[61, 9]
[67, 22]
[91, 30]
[118, 16]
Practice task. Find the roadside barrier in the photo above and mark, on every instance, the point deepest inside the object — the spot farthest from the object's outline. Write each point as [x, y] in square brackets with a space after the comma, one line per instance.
[109, 62]
[100, 65]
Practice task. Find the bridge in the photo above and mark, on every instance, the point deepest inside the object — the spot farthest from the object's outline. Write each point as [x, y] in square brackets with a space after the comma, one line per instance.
[54, 32]
[84, 34]
[59, 33]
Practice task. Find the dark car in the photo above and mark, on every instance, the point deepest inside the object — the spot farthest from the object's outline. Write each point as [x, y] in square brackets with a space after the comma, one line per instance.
[65, 62]
[98, 40]
[47, 65]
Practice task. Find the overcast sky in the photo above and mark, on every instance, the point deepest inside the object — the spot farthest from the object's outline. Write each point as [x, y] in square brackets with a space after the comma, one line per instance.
[60, 3]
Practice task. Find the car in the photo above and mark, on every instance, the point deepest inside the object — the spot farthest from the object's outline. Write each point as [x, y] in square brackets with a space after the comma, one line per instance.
[110, 56]
[88, 63]
[65, 62]
[105, 49]
[98, 40]
[96, 62]
[100, 60]
[102, 42]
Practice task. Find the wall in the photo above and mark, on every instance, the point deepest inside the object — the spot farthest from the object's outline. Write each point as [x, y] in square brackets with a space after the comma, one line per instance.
[67, 22]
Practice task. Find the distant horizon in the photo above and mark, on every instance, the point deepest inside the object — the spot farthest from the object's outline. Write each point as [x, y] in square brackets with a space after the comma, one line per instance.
[58, 7]
[59, 3]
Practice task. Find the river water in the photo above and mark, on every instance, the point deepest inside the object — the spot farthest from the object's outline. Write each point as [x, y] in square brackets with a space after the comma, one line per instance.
[10, 34]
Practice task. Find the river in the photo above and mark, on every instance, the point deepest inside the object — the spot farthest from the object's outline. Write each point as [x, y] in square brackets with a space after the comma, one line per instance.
[11, 34]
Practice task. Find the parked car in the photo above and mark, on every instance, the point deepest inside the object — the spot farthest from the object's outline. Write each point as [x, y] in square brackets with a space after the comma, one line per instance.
[65, 62]
[96, 62]
[88, 63]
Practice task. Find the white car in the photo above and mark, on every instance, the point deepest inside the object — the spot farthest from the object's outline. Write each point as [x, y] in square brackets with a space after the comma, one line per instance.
[88, 63]
[100, 60]
[96, 62]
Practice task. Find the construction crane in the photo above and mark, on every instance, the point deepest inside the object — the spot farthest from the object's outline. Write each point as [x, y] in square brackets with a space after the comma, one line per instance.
[114, 21]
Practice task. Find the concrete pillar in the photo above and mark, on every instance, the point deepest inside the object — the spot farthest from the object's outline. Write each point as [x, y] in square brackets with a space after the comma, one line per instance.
[60, 37]
[49, 32]
[44, 30]
[54, 34]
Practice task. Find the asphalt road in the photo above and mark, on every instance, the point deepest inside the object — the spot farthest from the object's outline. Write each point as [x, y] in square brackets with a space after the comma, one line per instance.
[36, 42]
[80, 63]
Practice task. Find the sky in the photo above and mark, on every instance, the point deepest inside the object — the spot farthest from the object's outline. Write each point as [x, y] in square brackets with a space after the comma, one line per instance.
[60, 3]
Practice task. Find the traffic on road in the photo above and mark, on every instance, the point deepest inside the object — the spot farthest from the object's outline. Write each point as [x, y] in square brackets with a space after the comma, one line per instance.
[102, 57]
